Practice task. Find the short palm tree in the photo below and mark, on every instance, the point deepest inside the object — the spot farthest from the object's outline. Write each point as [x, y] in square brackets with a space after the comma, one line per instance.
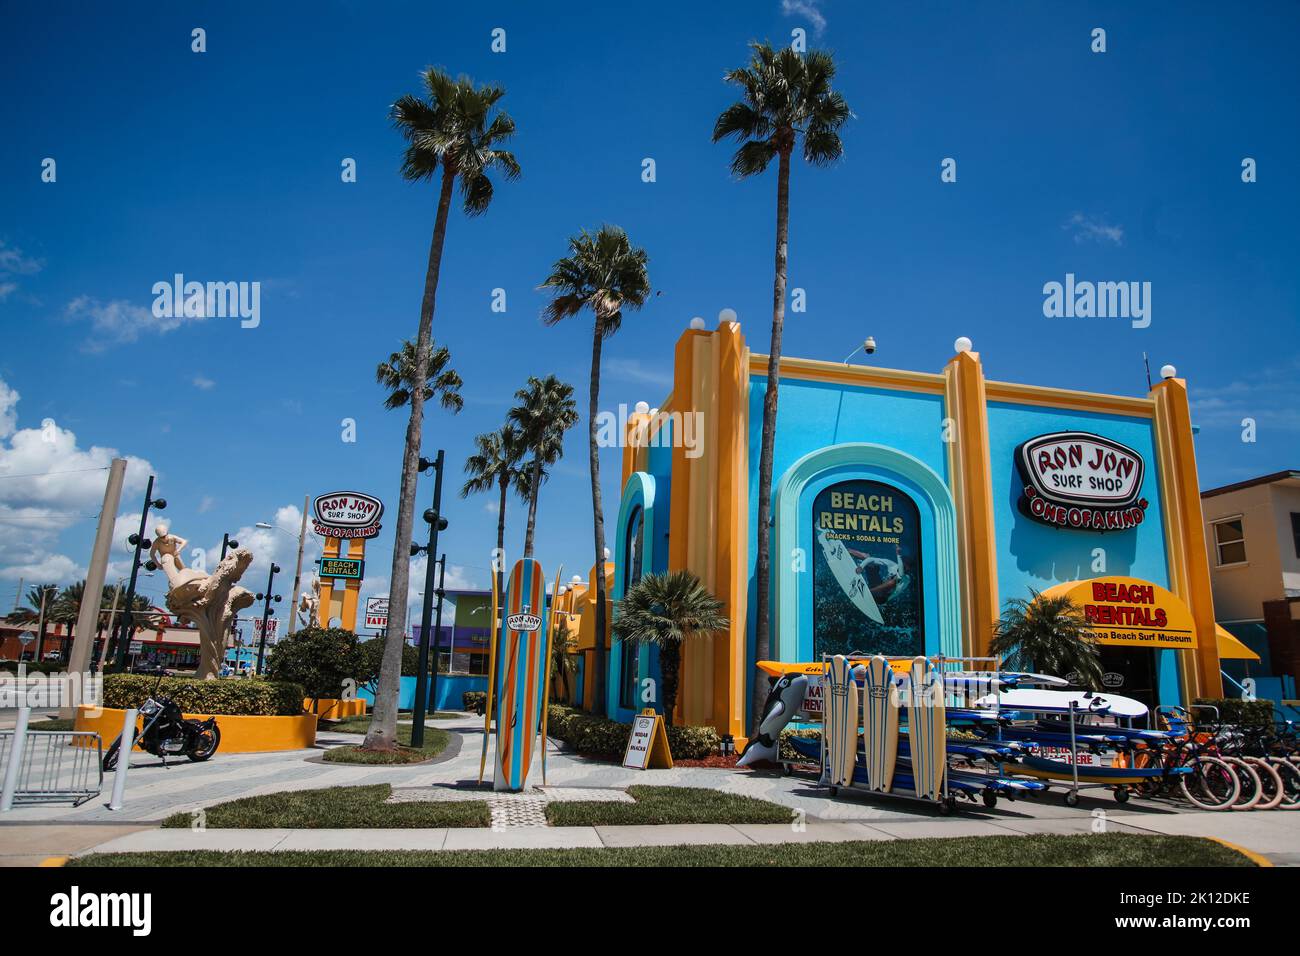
[546, 410]
[41, 602]
[399, 374]
[606, 274]
[1049, 635]
[455, 131]
[666, 610]
[563, 666]
[786, 103]
[496, 465]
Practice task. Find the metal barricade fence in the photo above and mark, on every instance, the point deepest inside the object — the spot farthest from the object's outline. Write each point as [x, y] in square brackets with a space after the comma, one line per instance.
[53, 766]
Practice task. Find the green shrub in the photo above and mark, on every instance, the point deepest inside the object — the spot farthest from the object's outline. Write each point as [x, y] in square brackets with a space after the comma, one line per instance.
[230, 695]
[320, 659]
[1234, 710]
[600, 737]
[44, 667]
[475, 700]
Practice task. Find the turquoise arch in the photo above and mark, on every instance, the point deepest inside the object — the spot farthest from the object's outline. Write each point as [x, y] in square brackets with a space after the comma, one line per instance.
[792, 510]
[639, 491]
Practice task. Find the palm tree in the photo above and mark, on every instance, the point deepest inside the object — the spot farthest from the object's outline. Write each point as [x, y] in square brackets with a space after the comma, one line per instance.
[563, 666]
[1050, 635]
[456, 130]
[496, 465]
[605, 273]
[546, 410]
[41, 600]
[786, 97]
[398, 376]
[666, 610]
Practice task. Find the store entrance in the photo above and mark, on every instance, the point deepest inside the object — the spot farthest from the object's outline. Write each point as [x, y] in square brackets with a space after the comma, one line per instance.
[1130, 671]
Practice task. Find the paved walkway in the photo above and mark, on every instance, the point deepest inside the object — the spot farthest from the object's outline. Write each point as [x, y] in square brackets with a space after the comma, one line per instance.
[154, 792]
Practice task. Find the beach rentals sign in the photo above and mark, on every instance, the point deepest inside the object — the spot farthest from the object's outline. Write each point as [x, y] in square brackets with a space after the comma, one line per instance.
[1130, 612]
[1082, 481]
[346, 514]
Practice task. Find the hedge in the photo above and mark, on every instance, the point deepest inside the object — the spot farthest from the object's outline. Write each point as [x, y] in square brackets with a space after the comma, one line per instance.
[230, 695]
[1234, 710]
[601, 737]
[44, 667]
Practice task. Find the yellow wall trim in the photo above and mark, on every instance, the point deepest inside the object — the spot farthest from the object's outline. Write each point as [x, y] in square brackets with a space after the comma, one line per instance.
[1068, 399]
[863, 376]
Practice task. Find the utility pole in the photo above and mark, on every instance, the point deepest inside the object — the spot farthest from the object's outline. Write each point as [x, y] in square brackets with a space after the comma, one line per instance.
[436, 523]
[267, 598]
[297, 574]
[40, 625]
[140, 541]
[83, 640]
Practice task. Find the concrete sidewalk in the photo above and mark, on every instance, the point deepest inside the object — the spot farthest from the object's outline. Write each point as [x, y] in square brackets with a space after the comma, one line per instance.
[515, 838]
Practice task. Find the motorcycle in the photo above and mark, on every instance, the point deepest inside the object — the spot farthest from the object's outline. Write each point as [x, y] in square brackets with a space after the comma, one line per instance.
[166, 732]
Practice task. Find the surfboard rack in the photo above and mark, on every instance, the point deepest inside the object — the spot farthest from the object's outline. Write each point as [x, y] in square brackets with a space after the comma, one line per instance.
[963, 681]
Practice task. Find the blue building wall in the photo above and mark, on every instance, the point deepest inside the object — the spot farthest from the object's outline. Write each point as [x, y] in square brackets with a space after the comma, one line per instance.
[1034, 555]
[451, 687]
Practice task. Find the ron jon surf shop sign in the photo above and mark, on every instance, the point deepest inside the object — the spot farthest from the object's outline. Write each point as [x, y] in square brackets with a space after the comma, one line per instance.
[347, 514]
[1080, 480]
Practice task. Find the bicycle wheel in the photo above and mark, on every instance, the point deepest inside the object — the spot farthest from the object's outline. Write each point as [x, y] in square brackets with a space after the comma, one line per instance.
[1290, 775]
[1145, 760]
[1252, 790]
[1271, 788]
[1212, 784]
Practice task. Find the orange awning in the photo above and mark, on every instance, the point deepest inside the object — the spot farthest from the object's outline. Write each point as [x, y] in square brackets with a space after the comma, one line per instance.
[1230, 648]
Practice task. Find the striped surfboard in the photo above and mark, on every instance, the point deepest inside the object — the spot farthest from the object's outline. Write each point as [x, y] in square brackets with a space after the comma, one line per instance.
[880, 706]
[927, 729]
[522, 658]
[841, 703]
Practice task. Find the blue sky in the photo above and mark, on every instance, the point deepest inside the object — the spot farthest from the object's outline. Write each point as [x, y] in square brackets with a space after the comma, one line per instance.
[225, 166]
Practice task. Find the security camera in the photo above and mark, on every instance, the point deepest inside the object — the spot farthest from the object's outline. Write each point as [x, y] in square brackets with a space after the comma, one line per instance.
[869, 346]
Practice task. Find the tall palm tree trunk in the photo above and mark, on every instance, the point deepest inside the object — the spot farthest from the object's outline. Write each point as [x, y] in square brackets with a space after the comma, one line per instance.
[598, 521]
[534, 492]
[763, 563]
[499, 563]
[383, 726]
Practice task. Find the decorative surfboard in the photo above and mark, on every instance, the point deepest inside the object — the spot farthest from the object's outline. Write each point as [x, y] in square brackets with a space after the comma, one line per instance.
[841, 721]
[927, 729]
[880, 706]
[522, 659]
[845, 570]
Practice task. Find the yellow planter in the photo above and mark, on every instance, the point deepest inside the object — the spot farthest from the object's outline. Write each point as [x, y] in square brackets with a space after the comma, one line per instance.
[239, 734]
[331, 708]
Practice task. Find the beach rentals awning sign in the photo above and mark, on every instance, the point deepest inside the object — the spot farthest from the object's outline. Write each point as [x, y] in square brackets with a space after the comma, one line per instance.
[1130, 612]
[1082, 481]
[346, 514]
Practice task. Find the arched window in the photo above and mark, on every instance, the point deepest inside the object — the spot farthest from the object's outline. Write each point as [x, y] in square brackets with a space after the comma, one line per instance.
[632, 562]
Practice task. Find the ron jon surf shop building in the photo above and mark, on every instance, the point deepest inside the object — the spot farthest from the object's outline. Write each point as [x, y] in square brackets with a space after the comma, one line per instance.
[907, 508]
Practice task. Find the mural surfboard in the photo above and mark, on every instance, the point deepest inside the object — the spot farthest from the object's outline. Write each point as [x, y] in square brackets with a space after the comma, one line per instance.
[880, 706]
[841, 721]
[522, 656]
[927, 729]
[845, 570]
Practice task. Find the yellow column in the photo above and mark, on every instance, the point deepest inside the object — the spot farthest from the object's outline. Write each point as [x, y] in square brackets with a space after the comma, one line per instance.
[1189, 562]
[967, 434]
[731, 501]
[352, 589]
[325, 611]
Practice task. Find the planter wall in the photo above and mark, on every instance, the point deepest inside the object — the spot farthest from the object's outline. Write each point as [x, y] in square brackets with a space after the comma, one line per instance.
[239, 734]
[331, 708]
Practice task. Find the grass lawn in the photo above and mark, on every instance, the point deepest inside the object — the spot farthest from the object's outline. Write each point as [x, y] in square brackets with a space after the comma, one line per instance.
[51, 724]
[337, 808]
[435, 740]
[1097, 850]
[660, 805]
[360, 724]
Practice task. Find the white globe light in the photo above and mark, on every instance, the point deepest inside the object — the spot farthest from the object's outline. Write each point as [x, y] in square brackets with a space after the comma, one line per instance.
[963, 344]
[642, 408]
[1168, 371]
[576, 579]
[727, 316]
[697, 322]
[607, 554]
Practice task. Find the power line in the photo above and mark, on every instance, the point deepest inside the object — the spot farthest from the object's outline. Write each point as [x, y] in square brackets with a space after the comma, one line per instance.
[70, 471]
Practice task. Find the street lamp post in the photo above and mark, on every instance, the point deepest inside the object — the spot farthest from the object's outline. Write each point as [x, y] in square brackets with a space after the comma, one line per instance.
[436, 523]
[140, 541]
[227, 542]
[297, 574]
[266, 598]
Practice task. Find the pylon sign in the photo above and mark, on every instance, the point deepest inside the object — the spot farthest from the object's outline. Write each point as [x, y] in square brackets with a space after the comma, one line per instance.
[345, 519]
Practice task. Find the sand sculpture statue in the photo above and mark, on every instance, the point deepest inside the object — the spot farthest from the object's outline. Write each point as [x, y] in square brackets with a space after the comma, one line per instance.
[309, 605]
[208, 601]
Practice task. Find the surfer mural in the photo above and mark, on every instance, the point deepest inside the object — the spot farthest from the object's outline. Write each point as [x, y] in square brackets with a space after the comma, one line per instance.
[866, 570]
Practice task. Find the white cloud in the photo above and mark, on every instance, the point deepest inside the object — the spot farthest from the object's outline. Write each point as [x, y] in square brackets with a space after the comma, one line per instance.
[1093, 229]
[1268, 397]
[632, 370]
[119, 321]
[808, 9]
[203, 383]
[206, 504]
[13, 264]
[48, 483]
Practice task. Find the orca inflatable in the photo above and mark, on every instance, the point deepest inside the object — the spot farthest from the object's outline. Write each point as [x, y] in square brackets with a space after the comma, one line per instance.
[783, 702]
